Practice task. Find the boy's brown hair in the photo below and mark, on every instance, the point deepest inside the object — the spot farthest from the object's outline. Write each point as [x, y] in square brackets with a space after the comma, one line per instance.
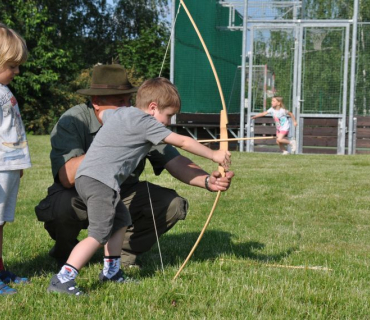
[13, 48]
[160, 91]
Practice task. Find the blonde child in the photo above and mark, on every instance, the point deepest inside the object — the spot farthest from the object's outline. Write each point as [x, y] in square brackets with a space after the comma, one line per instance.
[14, 153]
[279, 114]
[125, 138]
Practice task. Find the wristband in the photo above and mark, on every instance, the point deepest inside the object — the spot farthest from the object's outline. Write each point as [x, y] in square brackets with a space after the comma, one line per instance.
[206, 184]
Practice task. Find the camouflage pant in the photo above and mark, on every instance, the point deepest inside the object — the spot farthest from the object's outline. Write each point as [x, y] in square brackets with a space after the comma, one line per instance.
[64, 216]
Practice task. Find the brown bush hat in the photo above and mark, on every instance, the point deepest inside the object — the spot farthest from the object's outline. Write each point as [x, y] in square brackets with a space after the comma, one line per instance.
[108, 80]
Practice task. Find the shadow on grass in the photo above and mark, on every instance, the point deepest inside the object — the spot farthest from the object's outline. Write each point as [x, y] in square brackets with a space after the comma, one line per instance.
[43, 264]
[214, 244]
[34, 267]
[174, 248]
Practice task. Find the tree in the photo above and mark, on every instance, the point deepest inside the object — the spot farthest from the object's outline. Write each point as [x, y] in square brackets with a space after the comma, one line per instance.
[131, 17]
[144, 54]
[66, 38]
[39, 88]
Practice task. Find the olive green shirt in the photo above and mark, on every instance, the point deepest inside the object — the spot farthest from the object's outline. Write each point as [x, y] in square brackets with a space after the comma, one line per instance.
[74, 133]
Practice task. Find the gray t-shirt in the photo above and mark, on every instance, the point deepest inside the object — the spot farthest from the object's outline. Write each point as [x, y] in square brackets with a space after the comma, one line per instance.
[74, 133]
[125, 138]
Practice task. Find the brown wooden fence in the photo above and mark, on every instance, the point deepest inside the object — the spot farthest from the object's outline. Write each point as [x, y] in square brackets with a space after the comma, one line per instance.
[320, 135]
[362, 135]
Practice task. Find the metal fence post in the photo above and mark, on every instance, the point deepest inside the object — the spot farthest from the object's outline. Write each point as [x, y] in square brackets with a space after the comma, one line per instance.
[300, 136]
[354, 135]
[341, 136]
[251, 142]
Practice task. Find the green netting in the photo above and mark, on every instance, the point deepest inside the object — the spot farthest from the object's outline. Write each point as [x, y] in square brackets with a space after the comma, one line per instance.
[193, 75]
[322, 68]
[322, 71]
[272, 58]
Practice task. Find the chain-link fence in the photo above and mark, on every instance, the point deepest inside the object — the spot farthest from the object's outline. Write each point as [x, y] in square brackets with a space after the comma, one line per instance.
[362, 101]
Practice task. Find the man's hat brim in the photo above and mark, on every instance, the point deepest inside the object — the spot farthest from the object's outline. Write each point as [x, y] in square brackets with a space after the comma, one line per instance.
[105, 92]
[108, 80]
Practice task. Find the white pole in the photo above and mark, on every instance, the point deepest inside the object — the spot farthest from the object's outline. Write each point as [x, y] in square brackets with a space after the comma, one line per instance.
[242, 93]
[172, 57]
[353, 78]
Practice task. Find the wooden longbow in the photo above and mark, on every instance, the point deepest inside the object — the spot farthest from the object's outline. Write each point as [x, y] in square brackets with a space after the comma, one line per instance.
[223, 136]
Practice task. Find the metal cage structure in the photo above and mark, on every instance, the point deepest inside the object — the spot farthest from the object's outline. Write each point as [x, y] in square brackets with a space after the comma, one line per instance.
[311, 62]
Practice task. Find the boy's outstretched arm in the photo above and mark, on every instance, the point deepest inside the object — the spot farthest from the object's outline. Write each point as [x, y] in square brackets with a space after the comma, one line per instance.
[221, 157]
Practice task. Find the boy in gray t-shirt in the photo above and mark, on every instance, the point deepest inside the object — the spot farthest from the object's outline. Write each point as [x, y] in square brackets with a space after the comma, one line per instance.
[125, 138]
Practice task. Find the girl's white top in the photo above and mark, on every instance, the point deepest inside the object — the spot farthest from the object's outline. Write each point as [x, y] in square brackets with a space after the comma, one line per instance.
[280, 118]
[14, 152]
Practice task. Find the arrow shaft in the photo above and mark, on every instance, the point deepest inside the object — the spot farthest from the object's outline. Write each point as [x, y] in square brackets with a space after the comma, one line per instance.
[235, 139]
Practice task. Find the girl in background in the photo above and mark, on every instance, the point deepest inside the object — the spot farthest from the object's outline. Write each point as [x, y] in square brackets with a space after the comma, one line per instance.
[279, 114]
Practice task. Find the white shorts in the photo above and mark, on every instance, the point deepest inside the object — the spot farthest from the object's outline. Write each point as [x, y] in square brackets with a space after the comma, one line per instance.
[9, 185]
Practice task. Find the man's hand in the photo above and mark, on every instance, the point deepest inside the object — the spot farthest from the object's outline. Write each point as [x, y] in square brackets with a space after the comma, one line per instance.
[218, 183]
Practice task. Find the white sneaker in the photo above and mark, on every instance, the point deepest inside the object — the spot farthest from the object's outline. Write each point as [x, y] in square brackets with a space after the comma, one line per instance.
[285, 153]
[293, 146]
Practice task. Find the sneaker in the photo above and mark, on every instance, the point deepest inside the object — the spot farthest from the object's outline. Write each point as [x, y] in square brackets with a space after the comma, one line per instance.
[118, 277]
[293, 146]
[285, 153]
[68, 287]
[7, 276]
[4, 289]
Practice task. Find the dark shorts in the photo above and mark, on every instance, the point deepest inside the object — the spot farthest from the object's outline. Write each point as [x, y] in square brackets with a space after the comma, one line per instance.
[106, 212]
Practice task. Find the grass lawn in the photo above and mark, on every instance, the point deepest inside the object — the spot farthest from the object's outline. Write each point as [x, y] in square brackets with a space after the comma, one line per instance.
[289, 240]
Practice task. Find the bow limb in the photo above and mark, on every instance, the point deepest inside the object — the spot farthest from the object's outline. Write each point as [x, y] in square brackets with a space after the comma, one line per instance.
[209, 59]
[223, 136]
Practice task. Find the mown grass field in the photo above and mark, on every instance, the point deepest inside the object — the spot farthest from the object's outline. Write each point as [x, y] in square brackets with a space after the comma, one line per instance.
[289, 240]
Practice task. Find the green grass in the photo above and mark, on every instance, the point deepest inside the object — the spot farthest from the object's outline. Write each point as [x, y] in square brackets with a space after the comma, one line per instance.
[303, 210]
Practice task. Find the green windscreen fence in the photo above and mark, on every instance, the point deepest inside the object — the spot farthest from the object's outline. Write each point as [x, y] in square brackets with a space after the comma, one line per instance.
[193, 75]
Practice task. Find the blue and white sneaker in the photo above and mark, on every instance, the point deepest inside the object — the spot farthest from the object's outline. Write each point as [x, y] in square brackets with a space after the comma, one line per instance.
[119, 277]
[5, 290]
[68, 287]
[7, 277]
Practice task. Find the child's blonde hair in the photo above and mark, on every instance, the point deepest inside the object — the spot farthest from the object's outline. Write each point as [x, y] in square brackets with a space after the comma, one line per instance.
[160, 91]
[13, 48]
[281, 101]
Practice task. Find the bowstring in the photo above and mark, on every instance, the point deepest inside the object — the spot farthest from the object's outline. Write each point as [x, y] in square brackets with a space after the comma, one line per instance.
[155, 226]
[169, 40]
[147, 184]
